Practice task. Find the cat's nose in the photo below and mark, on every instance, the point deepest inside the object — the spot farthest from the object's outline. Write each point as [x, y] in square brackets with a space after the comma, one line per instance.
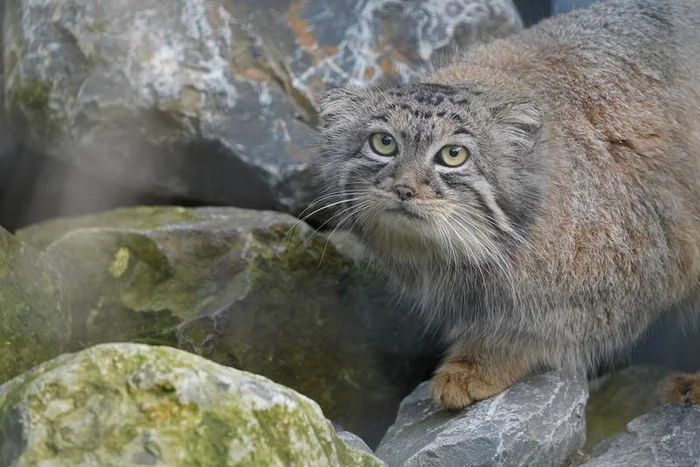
[404, 192]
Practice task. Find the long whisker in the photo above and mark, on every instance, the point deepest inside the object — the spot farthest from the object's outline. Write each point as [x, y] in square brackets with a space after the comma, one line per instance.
[328, 206]
[336, 215]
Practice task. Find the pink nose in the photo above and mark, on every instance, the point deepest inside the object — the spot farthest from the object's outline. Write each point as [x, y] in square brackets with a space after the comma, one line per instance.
[404, 192]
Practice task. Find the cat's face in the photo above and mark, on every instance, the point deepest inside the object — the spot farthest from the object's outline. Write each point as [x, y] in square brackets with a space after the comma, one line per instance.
[443, 170]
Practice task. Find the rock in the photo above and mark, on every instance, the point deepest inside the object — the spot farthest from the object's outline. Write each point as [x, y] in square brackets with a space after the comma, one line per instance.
[669, 436]
[621, 397]
[214, 101]
[130, 404]
[353, 441]
[236, 286]
[539, 421]
[34, 316]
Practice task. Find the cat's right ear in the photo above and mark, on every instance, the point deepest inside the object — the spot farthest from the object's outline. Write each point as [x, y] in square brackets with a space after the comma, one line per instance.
[338, 104]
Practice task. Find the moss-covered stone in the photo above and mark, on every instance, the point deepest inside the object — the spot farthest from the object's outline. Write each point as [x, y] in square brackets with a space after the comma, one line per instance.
[129, 404]
[34, 319]
[620, 398]
[248, 289]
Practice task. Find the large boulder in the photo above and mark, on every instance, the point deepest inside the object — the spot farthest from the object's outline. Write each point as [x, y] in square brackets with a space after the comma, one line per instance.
[539, 421]
[129, 404]
[668, 436]
[254, 290]
[34, 315]
[213, 100]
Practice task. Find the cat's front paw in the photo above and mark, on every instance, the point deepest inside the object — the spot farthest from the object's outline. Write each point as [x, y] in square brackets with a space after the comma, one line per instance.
[681, 387]
[457, 384]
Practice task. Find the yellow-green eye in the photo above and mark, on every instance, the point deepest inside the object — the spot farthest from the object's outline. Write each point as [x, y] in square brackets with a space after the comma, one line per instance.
[383, 144]
[452, 156]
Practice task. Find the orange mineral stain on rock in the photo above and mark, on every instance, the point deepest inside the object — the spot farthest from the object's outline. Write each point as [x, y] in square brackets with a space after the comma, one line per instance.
[214, 17]
[305, 38]
[253, 74]
[370, 72]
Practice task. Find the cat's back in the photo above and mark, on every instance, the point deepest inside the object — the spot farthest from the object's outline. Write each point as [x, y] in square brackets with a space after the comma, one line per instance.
[620, 85]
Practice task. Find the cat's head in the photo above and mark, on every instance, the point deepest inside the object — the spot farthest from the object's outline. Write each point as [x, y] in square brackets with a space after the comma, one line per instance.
[448, 171]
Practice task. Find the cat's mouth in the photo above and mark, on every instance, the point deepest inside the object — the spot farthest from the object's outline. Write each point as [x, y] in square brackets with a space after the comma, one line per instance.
[405, 210]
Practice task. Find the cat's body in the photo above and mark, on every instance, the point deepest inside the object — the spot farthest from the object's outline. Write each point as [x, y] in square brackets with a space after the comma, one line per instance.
[575, 220]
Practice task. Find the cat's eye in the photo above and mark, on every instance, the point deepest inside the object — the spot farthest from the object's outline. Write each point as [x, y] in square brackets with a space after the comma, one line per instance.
[383, 144]
[452, 156]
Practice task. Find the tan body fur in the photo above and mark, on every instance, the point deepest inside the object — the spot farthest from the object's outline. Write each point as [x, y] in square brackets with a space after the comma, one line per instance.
[624, 143]
[614, 240]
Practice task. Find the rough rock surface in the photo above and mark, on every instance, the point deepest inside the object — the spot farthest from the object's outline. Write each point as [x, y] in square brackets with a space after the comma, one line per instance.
[213, 100]
[539, 421]
[620, 397]
[129, 404]
[244, 289]
[669, 436]
[351, 439]
[34, 316]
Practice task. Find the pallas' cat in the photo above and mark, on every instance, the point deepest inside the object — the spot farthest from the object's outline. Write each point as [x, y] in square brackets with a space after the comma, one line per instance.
[539, 198]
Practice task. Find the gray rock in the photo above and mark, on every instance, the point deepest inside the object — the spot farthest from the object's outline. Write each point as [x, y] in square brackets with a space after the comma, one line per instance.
[214, 100]
[669, 436]
[619, 397]
[539, 421]
[353, 441]
[34, 308]
[115, 405]
[244, 289]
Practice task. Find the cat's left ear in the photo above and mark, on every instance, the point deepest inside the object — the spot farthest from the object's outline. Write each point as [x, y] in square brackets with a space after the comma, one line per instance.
[521, 119]
[338, 104]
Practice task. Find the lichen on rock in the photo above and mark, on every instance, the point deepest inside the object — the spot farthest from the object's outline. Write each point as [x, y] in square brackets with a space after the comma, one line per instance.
[253, 290]
[34, 315]
[131, 404]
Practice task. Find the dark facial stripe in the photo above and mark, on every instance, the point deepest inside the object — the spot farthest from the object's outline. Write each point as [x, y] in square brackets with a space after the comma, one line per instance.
[456, 182]
[463, 131]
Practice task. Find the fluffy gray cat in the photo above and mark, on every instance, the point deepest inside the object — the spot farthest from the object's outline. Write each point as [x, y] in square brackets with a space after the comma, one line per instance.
[539, 199]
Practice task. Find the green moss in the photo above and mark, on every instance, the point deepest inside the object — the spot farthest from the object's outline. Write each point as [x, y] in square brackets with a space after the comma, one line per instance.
[623, 397]
[243, 291]
[142, 218]
[33, 310]
[120, 264]
[110, 405]
[34, 99]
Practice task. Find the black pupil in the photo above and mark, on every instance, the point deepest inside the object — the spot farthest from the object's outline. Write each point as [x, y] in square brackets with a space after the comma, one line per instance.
[387, 140]
[454, 152]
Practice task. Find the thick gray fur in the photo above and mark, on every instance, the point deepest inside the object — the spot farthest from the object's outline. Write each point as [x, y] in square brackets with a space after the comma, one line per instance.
[575, 222]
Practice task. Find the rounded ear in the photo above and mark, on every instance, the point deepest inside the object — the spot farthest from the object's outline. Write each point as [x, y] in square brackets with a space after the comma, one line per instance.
[337, 103]
[522, 119]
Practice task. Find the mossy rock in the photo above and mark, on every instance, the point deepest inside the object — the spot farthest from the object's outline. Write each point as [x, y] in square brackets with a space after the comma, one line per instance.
[133, 404]
[249, 289]
[34, 316]
[619, 398]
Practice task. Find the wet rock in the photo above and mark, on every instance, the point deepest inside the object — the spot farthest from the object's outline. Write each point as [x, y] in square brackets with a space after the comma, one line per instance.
[214, 101]
[669, 436]
[34, 316]
[129, 404]
[619, 397]
[246, 289]
[539, 421]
